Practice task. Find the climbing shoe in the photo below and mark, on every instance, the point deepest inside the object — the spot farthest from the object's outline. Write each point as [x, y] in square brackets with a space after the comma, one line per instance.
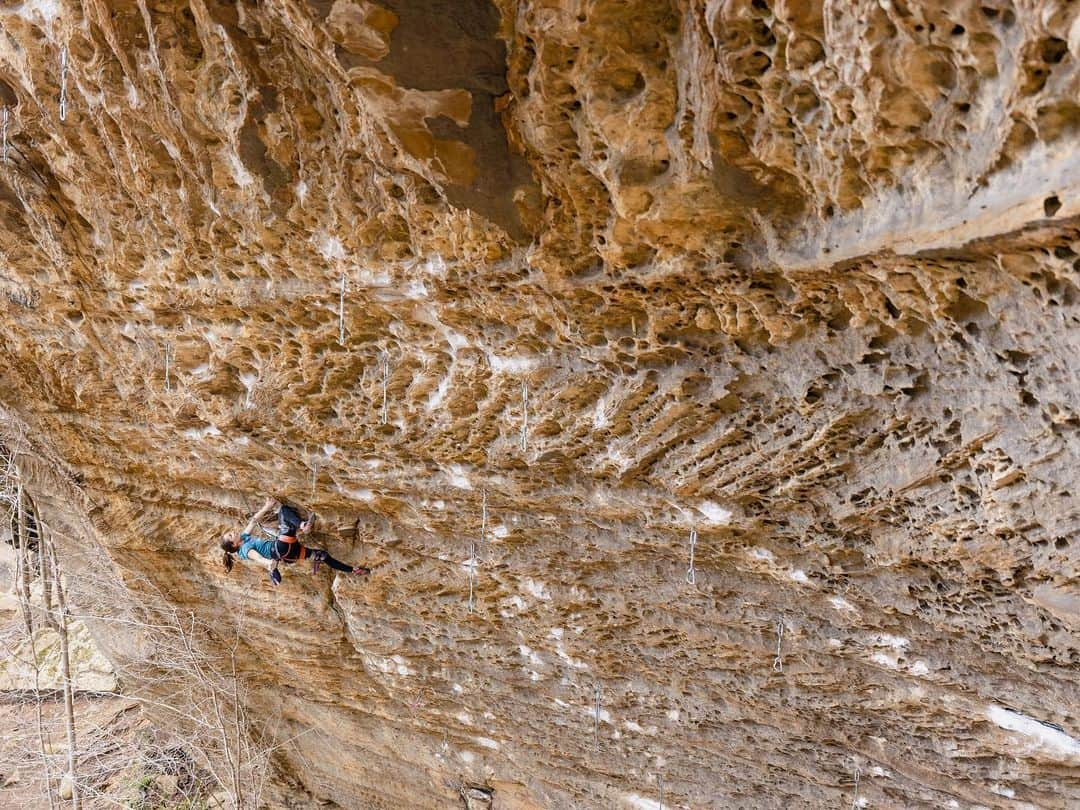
[275, 577]
[317, 559]
[361, 570]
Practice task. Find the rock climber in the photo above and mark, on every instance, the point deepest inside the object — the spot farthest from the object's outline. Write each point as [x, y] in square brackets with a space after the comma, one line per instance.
[269, 551]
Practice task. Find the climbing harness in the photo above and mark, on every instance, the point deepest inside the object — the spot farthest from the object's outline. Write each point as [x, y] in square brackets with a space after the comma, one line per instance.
[691, 573]
[855, 799]
[524, 414]
[341, 313]
[778, 662]
[289, 541]
[63, 82]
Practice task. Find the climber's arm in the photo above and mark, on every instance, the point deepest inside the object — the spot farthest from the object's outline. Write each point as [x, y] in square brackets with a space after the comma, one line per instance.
[268, 507]
[259, 559]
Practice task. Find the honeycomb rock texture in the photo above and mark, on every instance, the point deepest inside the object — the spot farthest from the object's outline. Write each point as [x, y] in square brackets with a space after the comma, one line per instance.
[698, 378]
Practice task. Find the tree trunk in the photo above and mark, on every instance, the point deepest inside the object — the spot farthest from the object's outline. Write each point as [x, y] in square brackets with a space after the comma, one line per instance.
[22, 588]
[65, 668]
[22, 566]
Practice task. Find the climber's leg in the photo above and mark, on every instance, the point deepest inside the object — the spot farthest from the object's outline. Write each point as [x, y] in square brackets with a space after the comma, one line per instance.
[289, 521]
[305, 527]
[337, 565]
[318, 556]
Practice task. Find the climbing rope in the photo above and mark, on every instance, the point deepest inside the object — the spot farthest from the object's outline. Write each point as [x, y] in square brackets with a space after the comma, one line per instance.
[476, 547]
[4, 126]
[660, 782]
[855, 799]
[524, 413]
[472, 573]
[385, 381]
[314, 476]
[341, 313]
[483, 517]
[63, 82]
[168, 357]
[691, 573]
[596, 718]
[778, 662]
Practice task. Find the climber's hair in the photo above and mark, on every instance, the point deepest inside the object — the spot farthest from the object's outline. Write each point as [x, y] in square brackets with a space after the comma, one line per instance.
[228, 544]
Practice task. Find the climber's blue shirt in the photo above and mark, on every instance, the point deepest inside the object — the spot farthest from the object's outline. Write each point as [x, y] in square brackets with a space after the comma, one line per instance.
[263, 546]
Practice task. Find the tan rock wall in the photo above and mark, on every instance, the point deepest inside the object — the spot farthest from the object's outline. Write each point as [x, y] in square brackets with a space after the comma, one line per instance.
[750, 291]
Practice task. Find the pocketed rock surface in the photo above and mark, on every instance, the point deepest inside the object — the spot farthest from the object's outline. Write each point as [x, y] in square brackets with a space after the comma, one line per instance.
[799, 278]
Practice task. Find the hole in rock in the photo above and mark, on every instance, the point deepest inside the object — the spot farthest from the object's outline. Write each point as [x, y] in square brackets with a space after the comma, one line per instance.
[1053, 50]
[966, 309]
[1051, 205]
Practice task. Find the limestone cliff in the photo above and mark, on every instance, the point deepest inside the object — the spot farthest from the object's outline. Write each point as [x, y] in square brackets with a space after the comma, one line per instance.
[699, 376]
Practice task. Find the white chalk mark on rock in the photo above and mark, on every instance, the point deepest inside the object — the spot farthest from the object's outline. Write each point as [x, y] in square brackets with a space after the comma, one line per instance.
[1041, 738]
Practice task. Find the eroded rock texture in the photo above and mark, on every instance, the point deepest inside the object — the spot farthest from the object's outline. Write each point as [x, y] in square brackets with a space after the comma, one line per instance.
[798, 277]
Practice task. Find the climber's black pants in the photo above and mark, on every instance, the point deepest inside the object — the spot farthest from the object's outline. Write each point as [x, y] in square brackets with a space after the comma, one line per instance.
[337, 565]
[291, 552]
[289, 521]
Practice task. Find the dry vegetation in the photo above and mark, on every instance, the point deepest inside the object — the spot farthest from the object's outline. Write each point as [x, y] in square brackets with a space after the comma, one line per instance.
[174, 735]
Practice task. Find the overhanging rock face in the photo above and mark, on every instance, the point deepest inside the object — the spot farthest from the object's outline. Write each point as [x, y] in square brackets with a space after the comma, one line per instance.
[521, 298]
